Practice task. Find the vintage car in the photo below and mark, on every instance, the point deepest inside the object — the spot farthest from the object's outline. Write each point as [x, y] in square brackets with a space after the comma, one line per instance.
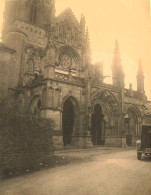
[143, 145]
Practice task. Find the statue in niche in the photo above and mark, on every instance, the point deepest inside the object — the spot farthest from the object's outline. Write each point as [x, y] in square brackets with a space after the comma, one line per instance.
[29, 60]
[37, 62]
[36, 107]
[50, 52]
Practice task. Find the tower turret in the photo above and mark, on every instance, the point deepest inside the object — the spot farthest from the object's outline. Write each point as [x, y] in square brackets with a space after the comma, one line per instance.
[140, 78]
[117, 70]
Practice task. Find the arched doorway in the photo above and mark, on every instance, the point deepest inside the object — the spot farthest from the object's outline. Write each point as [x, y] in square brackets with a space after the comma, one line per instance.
[97, 126]
[131, 126]
[67, 122]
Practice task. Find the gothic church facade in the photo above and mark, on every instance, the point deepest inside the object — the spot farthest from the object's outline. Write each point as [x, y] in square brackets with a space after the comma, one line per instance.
[48, 71]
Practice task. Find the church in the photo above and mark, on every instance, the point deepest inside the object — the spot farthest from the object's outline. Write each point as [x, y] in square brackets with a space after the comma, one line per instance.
[46, 67]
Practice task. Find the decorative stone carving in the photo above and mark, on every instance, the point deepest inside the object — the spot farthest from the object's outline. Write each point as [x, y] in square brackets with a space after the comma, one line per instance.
[36, 106]
[53, 85]
[65, 61]
[37, 62]
[33, 60]
[50, 52]
[29, 60]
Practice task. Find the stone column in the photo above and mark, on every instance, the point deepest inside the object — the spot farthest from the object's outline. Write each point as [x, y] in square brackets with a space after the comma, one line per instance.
[51, 109]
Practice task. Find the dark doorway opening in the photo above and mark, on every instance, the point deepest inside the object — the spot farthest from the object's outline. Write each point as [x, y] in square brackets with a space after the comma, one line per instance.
[129, 140]
[67, 122]
[97, 123]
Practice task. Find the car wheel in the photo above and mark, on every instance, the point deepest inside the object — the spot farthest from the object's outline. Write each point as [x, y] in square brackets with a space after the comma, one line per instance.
[139, 155]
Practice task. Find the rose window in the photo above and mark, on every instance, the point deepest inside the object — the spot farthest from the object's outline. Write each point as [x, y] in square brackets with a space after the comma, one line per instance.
[65, 61]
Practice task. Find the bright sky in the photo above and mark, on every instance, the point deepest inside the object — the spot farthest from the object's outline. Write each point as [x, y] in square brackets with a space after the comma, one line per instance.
[126, 20]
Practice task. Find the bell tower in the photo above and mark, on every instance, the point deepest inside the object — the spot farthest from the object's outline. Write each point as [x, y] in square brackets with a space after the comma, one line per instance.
[35, 12]
[25, 24]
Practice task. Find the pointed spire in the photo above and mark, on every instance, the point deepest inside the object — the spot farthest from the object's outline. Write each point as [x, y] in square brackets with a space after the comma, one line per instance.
[82, 26]
[87, 47]
[117, 70]
[82, 21]
[140, 77]
[117, 58]
[116, 49]
[140, 69]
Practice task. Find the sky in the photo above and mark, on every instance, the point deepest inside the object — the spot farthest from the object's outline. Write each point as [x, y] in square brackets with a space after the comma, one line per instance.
[128, 21]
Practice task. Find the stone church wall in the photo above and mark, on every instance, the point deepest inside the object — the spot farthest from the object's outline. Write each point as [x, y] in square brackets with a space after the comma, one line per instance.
[4, 72]
[25, 145]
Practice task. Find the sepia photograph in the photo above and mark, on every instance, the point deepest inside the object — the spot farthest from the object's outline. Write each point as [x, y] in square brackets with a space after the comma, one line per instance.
[75, 97]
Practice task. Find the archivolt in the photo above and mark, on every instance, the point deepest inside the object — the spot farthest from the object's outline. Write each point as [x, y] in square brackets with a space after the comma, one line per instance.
[106, 98]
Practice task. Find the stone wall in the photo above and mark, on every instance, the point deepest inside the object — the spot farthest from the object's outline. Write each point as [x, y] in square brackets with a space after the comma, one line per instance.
[25, 144]
[4, 72]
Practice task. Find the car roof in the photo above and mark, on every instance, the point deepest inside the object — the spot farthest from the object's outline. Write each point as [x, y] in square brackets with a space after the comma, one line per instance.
[146, 125]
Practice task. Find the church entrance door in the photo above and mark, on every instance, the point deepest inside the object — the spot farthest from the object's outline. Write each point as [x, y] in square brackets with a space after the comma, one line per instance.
[97, 123]
[67, 122]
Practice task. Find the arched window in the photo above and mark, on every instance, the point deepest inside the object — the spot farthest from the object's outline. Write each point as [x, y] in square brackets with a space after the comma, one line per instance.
[35, 106]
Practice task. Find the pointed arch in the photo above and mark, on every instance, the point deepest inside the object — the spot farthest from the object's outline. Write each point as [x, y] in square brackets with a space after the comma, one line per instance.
[135, 111]
[73, 99]
[70, 118]
[106, 97]
[35, 105]
[110, 110]
[132, 124]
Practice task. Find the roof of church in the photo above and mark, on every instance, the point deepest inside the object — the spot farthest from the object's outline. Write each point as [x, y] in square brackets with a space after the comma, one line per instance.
[67, 15]
[5, 48]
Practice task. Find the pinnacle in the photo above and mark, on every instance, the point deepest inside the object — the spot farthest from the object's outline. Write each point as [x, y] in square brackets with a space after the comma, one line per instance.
[82, 21]
[116, 48]
[140, 69]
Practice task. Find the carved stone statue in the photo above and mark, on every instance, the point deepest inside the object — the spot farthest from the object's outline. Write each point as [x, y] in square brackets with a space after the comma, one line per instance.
[29, 60]
[50, 52]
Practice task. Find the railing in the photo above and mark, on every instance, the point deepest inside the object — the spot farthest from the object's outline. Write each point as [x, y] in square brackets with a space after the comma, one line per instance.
[69, 78]
[135, 94]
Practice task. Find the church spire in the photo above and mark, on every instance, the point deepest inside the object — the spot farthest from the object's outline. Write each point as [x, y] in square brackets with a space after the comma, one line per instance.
[140, 77]
[82, 24]
[117, 70]
[140, 70]
[87, 47]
